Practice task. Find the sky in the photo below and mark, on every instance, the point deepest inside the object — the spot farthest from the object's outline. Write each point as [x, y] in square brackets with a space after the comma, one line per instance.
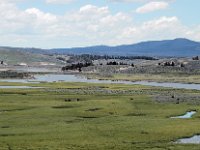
[78, 23]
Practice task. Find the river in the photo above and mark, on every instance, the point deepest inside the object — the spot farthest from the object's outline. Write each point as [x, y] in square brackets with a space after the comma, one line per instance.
[76, 78]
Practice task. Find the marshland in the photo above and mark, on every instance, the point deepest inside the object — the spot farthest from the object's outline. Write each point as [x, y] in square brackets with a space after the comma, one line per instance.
[99, 75]
[74, 110]
[72, 115]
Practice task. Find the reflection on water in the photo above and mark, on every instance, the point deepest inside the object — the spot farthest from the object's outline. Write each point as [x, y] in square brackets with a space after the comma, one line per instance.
[186, 116]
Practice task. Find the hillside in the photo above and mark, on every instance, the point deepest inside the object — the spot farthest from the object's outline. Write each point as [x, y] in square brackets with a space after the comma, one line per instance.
[14, 56]
[176, 47]
[166, 48]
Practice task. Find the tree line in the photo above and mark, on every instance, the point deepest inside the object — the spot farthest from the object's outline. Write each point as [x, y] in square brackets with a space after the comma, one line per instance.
[90, 58]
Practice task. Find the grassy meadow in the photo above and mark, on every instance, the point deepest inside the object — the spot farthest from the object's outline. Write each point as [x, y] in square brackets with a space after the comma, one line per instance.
[83, 116]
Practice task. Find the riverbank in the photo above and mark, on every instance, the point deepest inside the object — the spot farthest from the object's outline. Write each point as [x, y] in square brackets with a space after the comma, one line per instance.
[15, 75]
[170, 78]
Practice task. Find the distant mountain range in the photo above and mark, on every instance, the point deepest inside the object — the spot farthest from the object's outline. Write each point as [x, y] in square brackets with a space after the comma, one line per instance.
[177, 48]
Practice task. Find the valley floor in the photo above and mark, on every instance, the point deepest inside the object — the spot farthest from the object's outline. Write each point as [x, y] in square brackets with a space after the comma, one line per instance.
[88, 116]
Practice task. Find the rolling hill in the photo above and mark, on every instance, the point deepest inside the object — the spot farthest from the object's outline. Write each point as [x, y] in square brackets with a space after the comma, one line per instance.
[177, 47]
[167, 48]
[14, 56]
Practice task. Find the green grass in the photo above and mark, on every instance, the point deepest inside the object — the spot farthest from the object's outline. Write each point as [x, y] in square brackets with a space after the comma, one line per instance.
[42, 119]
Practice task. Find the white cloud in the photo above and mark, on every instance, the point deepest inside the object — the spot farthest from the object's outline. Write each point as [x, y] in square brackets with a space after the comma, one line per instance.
[70, 1]
[159, 29]
[152, 6]
[161, 23]
[140, 1]
[59, 1]
[41, 17]
[89, 25]
[89, 9]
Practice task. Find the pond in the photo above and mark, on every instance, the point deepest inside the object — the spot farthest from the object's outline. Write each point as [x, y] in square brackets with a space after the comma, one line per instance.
[185, 116]
[192, 140]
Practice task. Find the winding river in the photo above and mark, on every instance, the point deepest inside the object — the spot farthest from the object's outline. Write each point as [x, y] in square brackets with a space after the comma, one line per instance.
[75, 78]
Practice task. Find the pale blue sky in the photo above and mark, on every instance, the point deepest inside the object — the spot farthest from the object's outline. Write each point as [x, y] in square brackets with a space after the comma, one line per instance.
[187, 10]
[41, 23]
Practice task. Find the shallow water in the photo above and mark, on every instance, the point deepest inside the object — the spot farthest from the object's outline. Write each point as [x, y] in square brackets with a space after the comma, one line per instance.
[62, 78]
[172, 85]
[17, 80]
[34, 69]
[75, 78]
[186, 116]
[192, 140]
[18, 87]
